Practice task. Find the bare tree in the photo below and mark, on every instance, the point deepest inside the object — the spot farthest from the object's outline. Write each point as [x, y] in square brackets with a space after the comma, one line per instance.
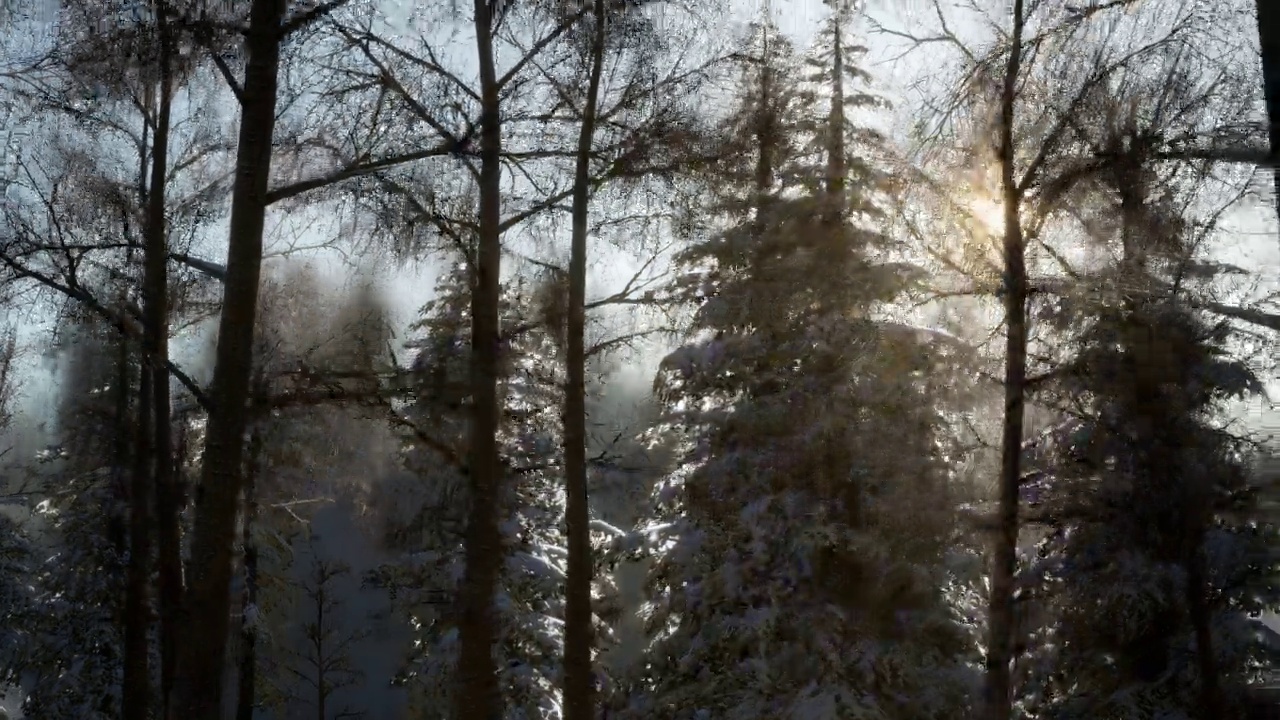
[206, 610]
[77, 64]
[639, 113]
[579, 684]
[269, 26]
[999, 686]
[323, 665]
[155, 292]
[484, 212]
[478, 694]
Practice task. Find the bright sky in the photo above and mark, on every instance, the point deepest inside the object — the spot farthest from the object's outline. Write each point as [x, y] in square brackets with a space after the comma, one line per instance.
[408, 286]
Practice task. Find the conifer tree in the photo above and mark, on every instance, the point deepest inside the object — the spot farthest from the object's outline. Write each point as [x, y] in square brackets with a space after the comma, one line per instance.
[430, 535]
[805, 573]
[73, 657]
[313, 443]
[17, 551]
[1153, 561]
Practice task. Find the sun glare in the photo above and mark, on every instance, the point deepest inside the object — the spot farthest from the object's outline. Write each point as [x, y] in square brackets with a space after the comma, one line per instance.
[988, 215]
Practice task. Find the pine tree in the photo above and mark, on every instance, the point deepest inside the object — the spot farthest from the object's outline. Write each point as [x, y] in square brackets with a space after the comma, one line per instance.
[74, 632]
[430, 536]
[17, 552]
[1152, 562]
[805, 573]
[17, 598]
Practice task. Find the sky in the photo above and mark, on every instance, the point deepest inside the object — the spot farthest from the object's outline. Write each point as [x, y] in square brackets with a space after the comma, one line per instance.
[407, 285]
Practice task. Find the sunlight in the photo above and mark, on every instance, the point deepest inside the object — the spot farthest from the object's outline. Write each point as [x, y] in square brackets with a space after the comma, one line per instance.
[987, 214]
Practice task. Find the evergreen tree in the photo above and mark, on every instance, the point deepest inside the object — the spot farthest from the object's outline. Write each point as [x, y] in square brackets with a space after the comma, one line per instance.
[430, 535]
[73, 658]
[313, 445]
[805, 574]
[17, 599]
[1153, 561]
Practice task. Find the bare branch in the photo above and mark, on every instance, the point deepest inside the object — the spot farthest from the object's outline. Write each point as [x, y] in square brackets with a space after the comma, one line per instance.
[357, 169]
[542, 44]
[128, 329]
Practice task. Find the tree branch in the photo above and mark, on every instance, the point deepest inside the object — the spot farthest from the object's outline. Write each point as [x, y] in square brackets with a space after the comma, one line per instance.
[355, 170]
[302, 19]
[118, 321]
[541, 45]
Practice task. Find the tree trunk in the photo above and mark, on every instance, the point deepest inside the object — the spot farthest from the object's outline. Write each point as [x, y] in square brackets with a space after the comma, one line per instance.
[477, 693]
[999, 697]
[1201, 623]
[155, 298]
[836, 162]
[579, 684]
[206, 612]
[1269, 39]
[248, 691]
[136, 683]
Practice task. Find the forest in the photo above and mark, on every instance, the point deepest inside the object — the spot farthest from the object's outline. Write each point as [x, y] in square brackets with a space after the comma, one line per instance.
[639, 360]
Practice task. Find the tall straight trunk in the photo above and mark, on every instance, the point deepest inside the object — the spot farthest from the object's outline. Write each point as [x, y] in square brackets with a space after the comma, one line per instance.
[1269, 39]
[207, 607]
[836, 161]
[477, 694]
[136, 683]
[246, 697]
[579, 685]
[1202, 623]
[155, 298]
[999, 696]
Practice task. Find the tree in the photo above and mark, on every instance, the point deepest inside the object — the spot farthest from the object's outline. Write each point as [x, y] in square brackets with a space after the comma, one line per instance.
[487, 112]
[323, 664]
[17, 552]
[72, 661]
[783, 508]
[17, 560]
[609, 31]
[206, 610]
[429, 532]
[579, 683]
[312, 443]
[250, 625]
[1155, 374]
[478, 692]
[129, 98]
[1138, 470]
[1000, 615]
[1045, 155]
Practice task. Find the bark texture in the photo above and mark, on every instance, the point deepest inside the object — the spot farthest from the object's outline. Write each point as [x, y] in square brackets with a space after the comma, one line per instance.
[579, 684]
[206, 612]
[477, 696]
[999, 698]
